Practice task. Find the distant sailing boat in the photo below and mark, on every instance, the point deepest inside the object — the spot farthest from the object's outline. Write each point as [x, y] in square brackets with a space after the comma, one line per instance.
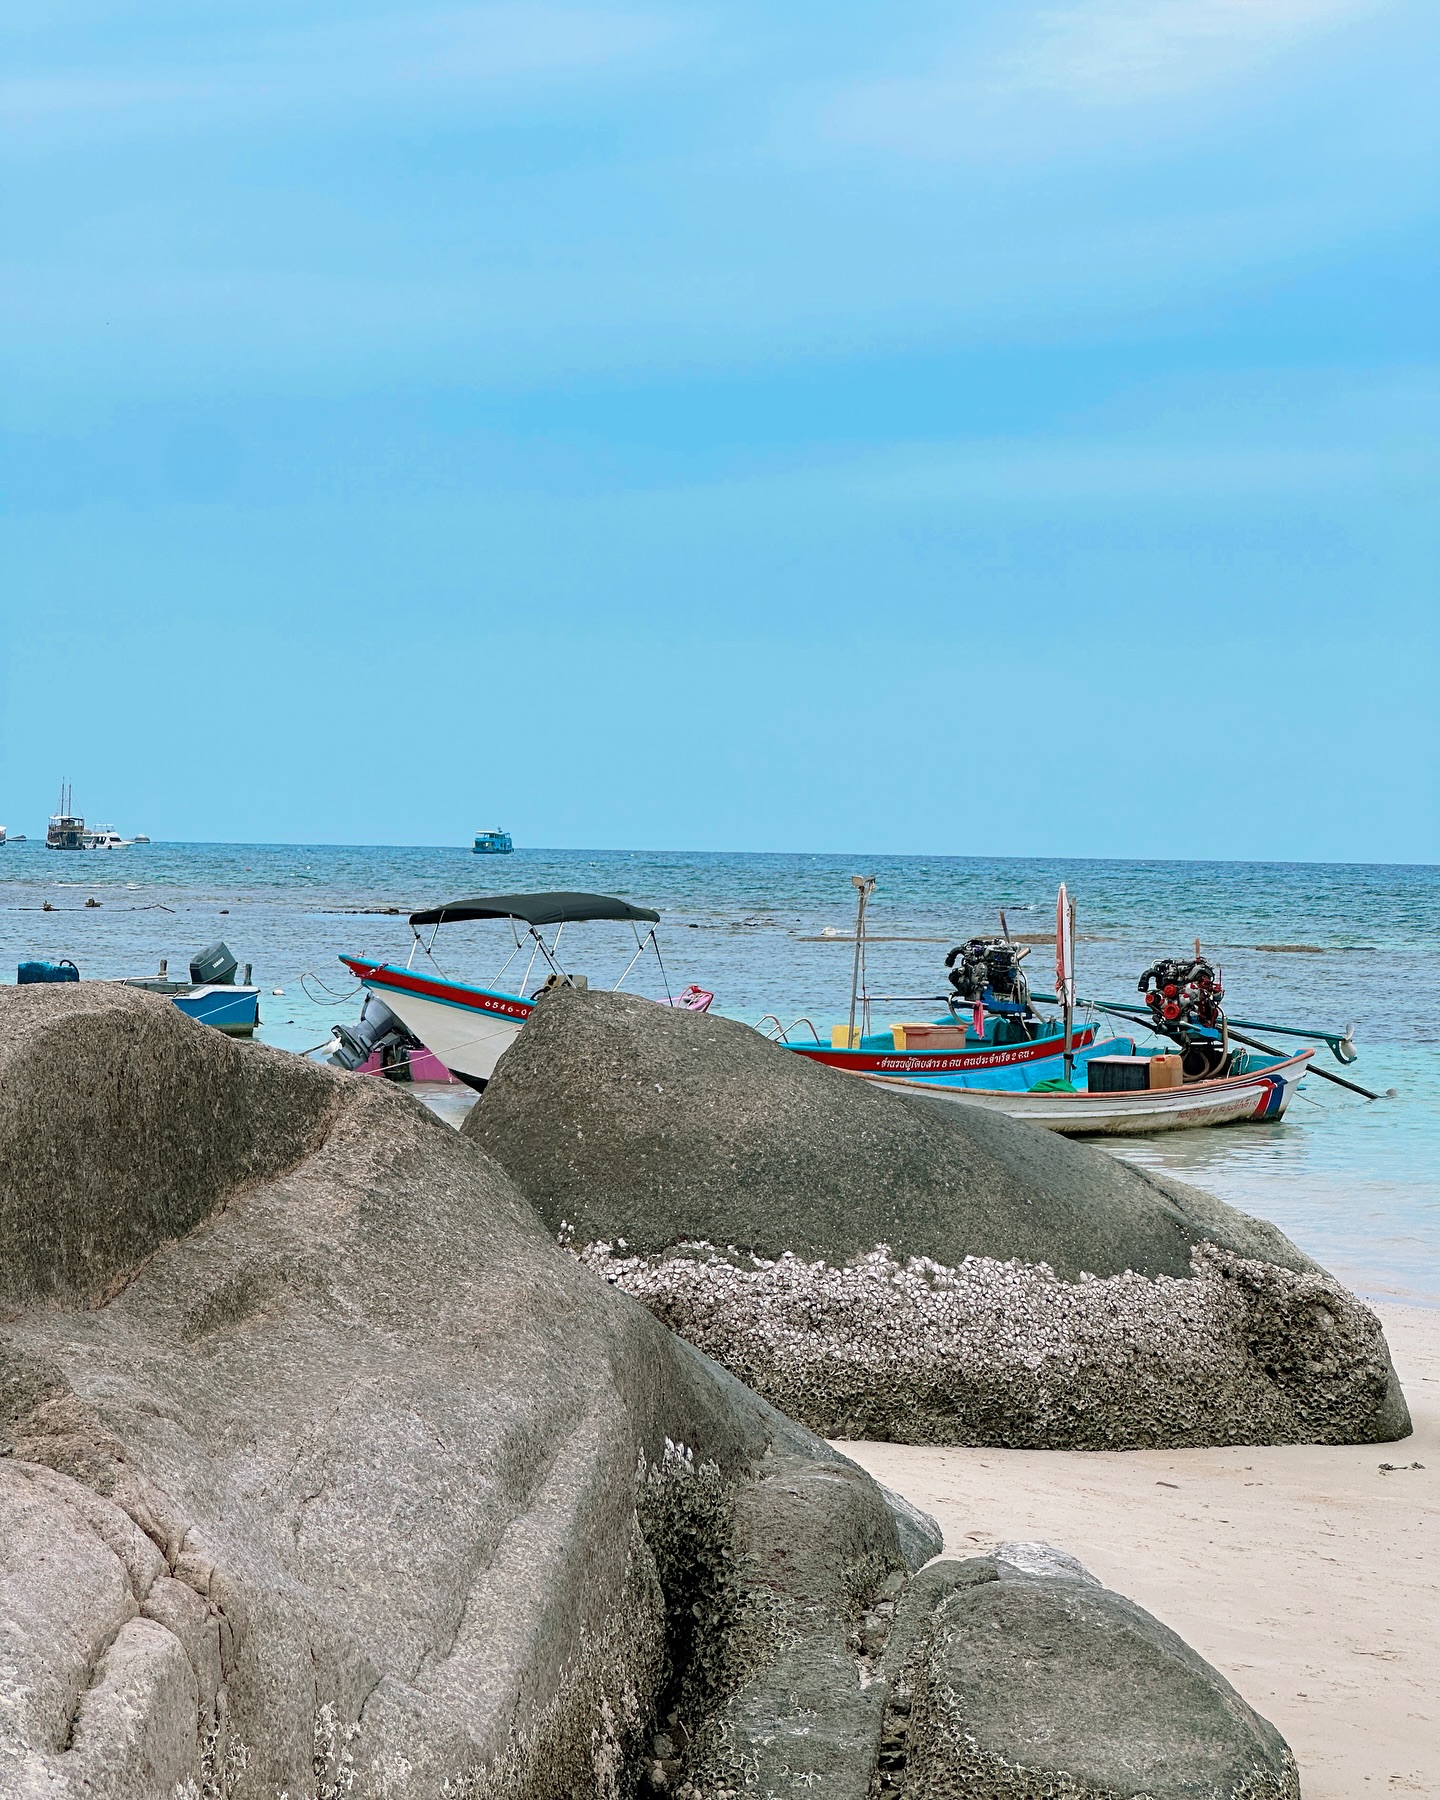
[67, 829]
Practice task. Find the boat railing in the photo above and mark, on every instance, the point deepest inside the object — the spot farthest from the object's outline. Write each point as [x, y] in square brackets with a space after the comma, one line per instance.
[781, 1033]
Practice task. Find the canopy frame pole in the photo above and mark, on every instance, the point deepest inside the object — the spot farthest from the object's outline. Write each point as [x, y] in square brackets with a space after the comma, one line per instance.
[547, 949]
[515, 935]
[427, 949]
[639, 952]
[654, 941]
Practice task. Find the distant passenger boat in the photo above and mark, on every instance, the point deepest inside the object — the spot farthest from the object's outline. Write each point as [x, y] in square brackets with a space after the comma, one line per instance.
[492, 843]
[67, 830]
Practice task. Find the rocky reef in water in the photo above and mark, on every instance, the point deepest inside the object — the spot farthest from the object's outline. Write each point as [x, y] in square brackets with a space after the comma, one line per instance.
[324, 1472]
[882, 1266]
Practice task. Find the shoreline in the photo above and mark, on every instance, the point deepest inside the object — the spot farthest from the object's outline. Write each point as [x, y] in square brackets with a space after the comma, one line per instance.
[1307, 1574]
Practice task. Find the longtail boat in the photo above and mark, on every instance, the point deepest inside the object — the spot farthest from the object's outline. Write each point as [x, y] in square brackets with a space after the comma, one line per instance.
[1006, 1058]
[1258, 1089]
[989, 1035]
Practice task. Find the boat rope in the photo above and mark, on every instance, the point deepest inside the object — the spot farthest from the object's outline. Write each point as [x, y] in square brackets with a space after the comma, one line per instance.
[332, 999]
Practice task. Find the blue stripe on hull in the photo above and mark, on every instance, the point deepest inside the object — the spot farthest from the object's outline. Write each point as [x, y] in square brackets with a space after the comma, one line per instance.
[1017, 1078]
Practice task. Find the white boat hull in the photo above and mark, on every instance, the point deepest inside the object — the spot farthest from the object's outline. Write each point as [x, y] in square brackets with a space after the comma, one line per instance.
[1261, 1095]
[469, 1043]
[468, 1028]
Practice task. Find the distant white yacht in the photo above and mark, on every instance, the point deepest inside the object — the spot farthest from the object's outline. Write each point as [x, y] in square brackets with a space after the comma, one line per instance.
[67, 830]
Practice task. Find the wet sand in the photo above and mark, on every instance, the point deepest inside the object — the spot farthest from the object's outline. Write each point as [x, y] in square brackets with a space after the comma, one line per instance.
[1310, 1577]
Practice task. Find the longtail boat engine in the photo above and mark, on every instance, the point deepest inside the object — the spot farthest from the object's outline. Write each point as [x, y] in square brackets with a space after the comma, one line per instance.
[1184, 996]
[986, 972]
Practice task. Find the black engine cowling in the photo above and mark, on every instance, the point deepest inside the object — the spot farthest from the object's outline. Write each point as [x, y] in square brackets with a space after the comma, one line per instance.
[377, 1029]
[1184, 995]
[986, 971]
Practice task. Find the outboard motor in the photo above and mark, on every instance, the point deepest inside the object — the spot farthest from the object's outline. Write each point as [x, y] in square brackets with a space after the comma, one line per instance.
[376, 1030]
[214, 967]
[1184, 995]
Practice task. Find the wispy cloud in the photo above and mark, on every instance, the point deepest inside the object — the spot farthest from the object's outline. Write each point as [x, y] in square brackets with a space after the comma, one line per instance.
[486, 50]
[1048, 70]
[1124, 50]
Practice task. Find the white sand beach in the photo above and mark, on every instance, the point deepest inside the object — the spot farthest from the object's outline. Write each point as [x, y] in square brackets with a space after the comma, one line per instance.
[1310, 1576]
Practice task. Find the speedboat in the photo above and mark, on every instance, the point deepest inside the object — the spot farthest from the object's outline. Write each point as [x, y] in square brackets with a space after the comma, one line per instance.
[470, 1027]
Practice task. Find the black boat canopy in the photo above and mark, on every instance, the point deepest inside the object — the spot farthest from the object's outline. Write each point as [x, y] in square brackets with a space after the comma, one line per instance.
[535, 909]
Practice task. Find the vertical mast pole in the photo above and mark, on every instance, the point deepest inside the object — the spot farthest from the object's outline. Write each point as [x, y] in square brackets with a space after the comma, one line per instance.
[864, 886]
[1070, 998]
[1065, 969]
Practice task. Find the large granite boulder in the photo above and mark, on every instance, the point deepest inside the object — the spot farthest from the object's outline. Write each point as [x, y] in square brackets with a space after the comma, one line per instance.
[889, 1267]
[323, 1471]
[1017, 1675]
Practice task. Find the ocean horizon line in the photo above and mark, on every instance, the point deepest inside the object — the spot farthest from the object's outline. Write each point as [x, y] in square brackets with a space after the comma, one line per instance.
[1038, 859]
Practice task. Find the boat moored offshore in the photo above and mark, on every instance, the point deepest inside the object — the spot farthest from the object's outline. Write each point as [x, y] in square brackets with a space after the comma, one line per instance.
[212, 996]
[67, 829]
[993, 1050]
[492, 843]
[990, 1032]
[1256, 1089]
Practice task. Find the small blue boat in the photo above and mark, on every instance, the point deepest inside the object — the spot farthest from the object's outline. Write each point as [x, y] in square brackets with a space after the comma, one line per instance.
[228, 1006]
[211, 996]
[233, 1010]
[492, 843]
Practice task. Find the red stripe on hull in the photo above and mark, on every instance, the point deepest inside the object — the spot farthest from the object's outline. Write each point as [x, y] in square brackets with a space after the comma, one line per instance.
[944, 1062]
[453, 993]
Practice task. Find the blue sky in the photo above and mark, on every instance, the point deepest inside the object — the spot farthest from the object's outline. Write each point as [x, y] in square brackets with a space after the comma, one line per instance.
[985, 429]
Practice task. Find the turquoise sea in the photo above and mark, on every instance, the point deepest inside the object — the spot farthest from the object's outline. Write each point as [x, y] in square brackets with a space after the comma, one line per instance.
[1356, 1183]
